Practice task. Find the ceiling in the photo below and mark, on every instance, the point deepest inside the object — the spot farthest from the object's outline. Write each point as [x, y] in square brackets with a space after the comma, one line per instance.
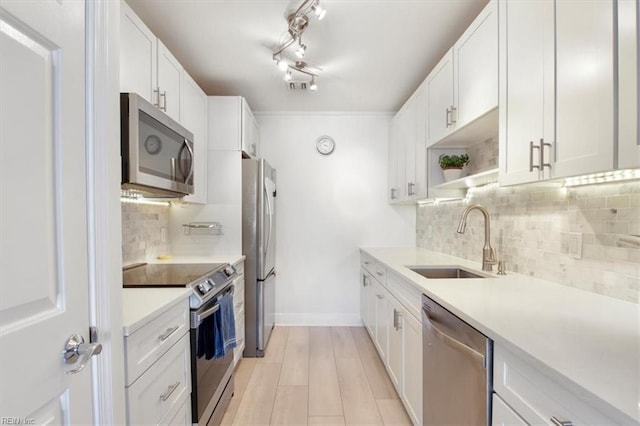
[373, 54]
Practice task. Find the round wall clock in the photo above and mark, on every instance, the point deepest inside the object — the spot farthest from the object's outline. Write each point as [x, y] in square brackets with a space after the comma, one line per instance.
[325, 145]
[153, 144]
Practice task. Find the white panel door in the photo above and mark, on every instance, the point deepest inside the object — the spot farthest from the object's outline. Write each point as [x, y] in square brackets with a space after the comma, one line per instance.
[412, 374]
[394, 154]
[475, 66]
[138, 56]
[394, 356]
[584, 140]
[381, 324]
[526, 87]
[409, 142]
[503, 415]
[420, 188]
[628, 88]
[43, 222]
[169, 72]
[193, 111]
[440, 99]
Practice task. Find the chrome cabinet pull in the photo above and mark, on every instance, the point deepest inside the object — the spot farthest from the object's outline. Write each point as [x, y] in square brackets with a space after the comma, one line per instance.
[380, 274]
[454, 118]
[379, 296]
[157, 92]
[542, 145]
[410, 186]
[364, 281]
[447, 118]
[556, 421]
[169, 391]
[168, 333]
[76, 350]
[531, 148]
[163, 95]
[393, 193]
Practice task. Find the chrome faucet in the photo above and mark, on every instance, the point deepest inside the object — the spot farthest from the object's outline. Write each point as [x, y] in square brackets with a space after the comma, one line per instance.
[488, 253]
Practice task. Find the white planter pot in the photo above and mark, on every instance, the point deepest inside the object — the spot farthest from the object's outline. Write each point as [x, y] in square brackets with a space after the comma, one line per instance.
[451, 174]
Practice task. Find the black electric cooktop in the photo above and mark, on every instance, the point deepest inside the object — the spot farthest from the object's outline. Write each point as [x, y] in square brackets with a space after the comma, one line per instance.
[167, 274]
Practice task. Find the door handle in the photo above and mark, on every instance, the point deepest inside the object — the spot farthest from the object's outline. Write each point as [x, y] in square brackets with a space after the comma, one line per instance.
[410, 186]
[77, 351]
[542, 145]
[169, 391]
[557, 422]
[531, 148]
[447, 118]
[168, 333]
[163, 95]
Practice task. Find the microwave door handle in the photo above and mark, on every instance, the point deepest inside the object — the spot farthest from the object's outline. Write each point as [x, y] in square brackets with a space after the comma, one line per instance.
[190, 150]
[173, 168]
[186, 176]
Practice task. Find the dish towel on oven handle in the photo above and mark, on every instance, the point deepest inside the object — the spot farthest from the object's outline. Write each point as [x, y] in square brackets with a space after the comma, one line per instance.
[225, 326]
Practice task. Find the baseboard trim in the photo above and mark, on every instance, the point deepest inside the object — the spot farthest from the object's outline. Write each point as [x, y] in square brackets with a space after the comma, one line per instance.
[319, 319]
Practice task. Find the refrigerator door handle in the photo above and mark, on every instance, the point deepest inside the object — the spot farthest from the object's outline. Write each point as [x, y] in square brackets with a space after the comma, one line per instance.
[270, 214]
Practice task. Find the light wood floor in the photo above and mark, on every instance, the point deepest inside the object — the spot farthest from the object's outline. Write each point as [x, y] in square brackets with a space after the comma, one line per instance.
[315, 376]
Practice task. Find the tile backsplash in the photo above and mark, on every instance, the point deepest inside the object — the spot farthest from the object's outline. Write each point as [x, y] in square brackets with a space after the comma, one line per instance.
[142, 232]
[531, 226]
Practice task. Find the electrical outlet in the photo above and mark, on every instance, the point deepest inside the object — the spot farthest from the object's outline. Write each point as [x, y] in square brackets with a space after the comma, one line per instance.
[575, 245]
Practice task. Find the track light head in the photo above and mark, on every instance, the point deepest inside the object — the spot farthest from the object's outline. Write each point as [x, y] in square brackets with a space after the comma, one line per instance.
[320, 11]
[313, 86]
[288, 76]
[301, 50]
[282, 64]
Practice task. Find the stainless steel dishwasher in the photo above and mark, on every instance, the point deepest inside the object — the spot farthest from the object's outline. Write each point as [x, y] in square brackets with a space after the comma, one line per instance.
[457, 369]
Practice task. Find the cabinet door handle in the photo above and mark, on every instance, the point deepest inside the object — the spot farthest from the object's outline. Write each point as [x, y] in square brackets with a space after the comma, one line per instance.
[380, 274]
[157, 93]
[556, 421]
[531, 148]
[454, 116]
[364, 281]
[410, 186]
[379, 296]
[393, 193]
[163, 95]
[169, 391]
[542, 145]
[447, 118]
[168, 333]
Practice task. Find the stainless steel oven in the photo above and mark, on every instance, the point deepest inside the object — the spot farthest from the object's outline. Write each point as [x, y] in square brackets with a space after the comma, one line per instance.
[211, 378]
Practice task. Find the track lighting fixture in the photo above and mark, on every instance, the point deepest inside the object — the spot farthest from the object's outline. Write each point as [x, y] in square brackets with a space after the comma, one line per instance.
[298, 22]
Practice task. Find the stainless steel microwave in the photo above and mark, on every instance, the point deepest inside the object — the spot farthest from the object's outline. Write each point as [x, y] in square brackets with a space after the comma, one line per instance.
[157, 152]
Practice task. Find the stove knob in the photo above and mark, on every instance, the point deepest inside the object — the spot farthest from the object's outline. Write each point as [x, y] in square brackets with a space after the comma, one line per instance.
[203, 287]
[229, 270]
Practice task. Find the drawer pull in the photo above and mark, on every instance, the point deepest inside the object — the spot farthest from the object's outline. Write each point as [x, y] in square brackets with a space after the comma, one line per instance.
[367, 263]
[380, 274]
[169, 391]
[168, 333]
[379, 296]
[556, 421]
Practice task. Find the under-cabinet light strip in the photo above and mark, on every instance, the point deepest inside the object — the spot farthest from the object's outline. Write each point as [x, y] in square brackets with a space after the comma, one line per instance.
[604, 177]
[143, 201]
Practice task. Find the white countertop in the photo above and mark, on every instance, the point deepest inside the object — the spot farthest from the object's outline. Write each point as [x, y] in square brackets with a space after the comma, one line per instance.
[201, 259]
[584, 339]
[142, 305]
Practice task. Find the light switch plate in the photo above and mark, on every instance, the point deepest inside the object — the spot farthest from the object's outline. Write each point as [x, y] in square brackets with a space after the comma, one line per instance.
[575, 245]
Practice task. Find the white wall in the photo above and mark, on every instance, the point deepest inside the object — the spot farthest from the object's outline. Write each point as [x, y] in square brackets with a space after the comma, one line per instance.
[328, 207]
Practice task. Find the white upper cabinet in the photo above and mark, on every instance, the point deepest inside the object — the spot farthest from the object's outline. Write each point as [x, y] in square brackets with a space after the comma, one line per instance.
[464, 85]
[232, 126]
[628, 89]
[526, 88]
[193, 108]
[475, 68]
[169, 76]
[556, 89]
[138, 56]
[440, 100]
[584, 137]
[146, 65]
[392, 169]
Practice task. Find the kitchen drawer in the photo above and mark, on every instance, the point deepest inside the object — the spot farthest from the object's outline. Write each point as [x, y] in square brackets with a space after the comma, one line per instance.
[237, 352]
[406, 293]
[239, 267]
[503, 415]
[161, 388]
[182, 417]
[375, 268]
[537, 397]
[144, 346]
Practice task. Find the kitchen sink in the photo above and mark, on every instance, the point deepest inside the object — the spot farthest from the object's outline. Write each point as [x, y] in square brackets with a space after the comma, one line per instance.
[445, 272]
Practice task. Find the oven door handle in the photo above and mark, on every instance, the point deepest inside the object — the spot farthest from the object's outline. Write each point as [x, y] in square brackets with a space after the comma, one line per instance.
[198, 318]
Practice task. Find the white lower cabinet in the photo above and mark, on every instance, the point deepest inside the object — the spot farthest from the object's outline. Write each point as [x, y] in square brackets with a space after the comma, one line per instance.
[158, 370]
[538, 397]
[155, 397]
[238, 311]
[388, 313]
[503, 415]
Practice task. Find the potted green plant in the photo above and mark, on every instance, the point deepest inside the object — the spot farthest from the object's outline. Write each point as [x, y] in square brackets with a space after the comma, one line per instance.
[452, 165]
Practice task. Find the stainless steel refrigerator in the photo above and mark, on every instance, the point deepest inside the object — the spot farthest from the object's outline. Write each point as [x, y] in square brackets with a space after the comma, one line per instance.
[259, 246]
